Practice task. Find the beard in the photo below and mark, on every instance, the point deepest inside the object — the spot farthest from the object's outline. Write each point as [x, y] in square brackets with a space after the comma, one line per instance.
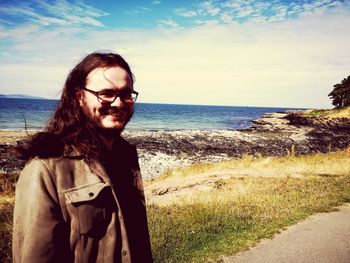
[122, 116]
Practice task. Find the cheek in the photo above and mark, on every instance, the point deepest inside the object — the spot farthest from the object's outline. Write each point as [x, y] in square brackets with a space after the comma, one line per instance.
[90, 109]
[130, 108]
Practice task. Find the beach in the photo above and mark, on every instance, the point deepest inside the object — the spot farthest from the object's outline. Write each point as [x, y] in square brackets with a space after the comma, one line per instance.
[216, 201]
[275, 134]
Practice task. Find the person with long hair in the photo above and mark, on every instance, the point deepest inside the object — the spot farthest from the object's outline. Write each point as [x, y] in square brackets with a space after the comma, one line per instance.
[80, 196]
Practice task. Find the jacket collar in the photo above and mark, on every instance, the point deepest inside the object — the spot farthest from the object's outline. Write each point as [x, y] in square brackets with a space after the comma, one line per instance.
[72, 152]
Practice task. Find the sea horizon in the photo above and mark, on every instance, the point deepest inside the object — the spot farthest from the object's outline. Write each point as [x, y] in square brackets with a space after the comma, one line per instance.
[19, 114]
[30, 97]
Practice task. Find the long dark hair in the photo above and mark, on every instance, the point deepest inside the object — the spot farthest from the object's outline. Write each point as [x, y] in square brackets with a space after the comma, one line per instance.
[69, 127]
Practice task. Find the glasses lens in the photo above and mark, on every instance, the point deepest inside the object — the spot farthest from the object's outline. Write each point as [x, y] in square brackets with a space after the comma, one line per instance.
[110, 96]
[134, 96]
[128, 96]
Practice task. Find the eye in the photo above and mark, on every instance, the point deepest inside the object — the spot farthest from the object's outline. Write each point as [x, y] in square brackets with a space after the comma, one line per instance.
[125, 94]
[106, 94]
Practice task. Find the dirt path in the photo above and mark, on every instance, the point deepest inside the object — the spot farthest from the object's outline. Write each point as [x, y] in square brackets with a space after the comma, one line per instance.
[323, 238]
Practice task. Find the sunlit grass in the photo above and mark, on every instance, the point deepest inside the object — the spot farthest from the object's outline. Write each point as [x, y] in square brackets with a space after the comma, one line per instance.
[239, 210]
[229, 221]
[330, 114]
[337, 163]
[243, 201]
[6, 208]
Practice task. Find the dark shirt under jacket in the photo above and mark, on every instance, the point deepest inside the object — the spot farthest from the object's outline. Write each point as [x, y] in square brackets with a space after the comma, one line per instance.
[122, 165]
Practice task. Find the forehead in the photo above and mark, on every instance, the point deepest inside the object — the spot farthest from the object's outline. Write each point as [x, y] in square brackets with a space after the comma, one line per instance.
[108, 77]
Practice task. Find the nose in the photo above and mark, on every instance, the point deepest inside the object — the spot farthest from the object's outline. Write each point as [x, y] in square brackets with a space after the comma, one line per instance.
[117, 103]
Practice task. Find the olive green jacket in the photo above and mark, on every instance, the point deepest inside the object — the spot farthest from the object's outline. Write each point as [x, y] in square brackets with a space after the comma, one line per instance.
[69, 210]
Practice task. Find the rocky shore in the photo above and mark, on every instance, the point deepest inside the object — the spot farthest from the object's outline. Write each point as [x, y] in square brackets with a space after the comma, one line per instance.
[276, 134]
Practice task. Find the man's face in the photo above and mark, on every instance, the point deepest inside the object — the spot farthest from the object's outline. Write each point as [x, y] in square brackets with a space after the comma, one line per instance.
[109, 116]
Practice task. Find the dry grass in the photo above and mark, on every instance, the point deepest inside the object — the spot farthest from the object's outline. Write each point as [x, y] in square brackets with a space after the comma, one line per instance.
[330, 114]
[201, 212]
[177, 183]
[235, 216]
[6, 208]
[7, 187]
[11, 137]
[204, 211]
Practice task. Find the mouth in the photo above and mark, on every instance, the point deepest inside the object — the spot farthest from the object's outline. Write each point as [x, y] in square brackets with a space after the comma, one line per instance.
[112, 113]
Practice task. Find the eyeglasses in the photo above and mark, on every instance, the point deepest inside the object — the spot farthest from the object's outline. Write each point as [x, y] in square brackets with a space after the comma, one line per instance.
[109, 96]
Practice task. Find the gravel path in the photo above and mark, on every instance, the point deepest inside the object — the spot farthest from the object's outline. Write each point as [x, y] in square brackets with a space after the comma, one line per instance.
[323, 238]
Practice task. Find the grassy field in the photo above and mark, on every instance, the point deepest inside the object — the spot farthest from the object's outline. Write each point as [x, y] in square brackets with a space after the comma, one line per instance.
[7, 187]
[201, 212]
[330, 114]
[230, 206]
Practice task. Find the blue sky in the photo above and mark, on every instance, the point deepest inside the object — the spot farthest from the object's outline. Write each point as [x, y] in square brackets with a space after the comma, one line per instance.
[233, 52]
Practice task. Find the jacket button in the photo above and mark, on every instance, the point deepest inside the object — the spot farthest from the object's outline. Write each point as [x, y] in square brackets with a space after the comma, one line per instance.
[125, 253]
[91, 194]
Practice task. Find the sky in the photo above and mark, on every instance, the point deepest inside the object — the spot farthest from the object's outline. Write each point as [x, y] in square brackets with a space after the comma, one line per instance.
[234, 52]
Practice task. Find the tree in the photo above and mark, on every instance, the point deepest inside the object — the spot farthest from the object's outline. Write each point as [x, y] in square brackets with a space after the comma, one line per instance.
[340, 95]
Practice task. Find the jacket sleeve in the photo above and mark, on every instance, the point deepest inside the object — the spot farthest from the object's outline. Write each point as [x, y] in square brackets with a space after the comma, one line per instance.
[39, 233]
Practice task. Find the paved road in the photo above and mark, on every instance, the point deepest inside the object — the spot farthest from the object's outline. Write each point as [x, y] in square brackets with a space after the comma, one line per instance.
[323, 238]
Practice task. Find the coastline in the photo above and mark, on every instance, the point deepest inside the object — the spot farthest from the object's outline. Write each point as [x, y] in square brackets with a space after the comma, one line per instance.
[275, 134]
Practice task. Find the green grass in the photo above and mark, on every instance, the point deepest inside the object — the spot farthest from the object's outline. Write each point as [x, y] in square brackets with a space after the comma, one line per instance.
[7, 187]
[239, 211]
[236, 213]
[6, 208]
[228, 222]
[333, 113]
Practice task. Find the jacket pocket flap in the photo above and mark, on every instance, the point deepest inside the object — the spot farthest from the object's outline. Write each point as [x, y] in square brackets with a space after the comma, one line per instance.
[84, 193]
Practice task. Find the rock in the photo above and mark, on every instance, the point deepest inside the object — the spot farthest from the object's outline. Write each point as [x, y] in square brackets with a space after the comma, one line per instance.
[276, 134]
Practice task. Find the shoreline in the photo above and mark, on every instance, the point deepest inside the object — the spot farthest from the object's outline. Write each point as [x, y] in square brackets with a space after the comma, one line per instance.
[274, 134]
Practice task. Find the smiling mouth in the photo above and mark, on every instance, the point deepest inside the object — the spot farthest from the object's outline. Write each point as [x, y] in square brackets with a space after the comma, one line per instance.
[114, 115]
[111, 112]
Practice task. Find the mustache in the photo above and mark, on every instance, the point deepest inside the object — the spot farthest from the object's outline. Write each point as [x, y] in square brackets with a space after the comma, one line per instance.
[112, 110]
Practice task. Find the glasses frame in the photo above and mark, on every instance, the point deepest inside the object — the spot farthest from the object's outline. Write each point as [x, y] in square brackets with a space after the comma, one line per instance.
[117, 94]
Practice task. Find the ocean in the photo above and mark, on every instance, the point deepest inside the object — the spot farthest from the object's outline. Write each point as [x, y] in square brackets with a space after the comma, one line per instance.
[16, 114]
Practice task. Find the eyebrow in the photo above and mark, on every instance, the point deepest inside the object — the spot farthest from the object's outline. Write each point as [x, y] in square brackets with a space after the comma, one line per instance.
[113, 89]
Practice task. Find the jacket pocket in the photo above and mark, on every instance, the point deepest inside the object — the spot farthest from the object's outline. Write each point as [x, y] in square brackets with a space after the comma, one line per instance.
[91, 208]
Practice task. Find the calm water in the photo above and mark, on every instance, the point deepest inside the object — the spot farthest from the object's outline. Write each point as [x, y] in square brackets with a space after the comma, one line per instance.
[147, 117]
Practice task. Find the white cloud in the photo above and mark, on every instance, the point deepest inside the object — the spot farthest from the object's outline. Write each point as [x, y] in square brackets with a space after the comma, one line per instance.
[208, 22]
[226, 18]
[6, 22]
[59, 12]
[139, 10]
[62, 8]
[258, 11]
[156, 2]
[293, 63]
[46, 21]
[208, 8]
[185, 13]
[18, 34]
[231, 4]
[168, 22]
[245, 12]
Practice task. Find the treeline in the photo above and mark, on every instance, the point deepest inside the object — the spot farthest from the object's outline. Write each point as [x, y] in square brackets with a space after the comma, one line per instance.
[340, 95]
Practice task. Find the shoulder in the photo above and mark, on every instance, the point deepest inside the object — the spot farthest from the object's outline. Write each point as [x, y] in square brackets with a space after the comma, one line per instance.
[36, 165]
[35, 177]
[45, 164]
[61, 173]
[47, 168]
